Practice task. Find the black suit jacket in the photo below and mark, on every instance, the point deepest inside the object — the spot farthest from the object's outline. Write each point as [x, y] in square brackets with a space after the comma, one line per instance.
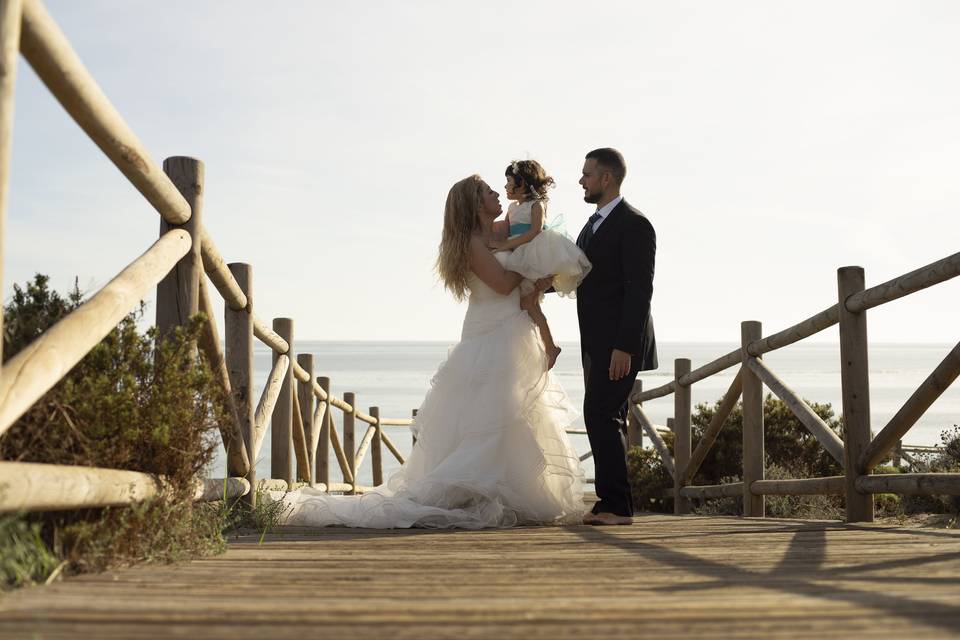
[613, 301]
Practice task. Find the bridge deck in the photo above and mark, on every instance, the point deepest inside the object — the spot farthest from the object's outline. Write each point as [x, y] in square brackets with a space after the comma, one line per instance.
[663, 577]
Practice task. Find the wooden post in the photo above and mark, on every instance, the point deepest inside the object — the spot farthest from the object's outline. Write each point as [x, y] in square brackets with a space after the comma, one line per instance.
[305, 396]
[855, 384]
[178, 294]
[753, 506]
[9, 54]
[376, 449]
[682, 409]
[898, 454]
[238, 335]
[322, 462]
[349, 437]
[413, 414]
[634, 430]
[281, 424]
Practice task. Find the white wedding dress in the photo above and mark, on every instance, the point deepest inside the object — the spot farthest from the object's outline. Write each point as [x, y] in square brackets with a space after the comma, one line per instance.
[491, 445]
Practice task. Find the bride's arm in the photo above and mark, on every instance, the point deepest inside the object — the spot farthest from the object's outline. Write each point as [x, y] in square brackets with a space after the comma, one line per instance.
[491, 272]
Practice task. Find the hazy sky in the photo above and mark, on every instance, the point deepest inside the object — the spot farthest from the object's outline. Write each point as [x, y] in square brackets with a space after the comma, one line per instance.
[768, 143]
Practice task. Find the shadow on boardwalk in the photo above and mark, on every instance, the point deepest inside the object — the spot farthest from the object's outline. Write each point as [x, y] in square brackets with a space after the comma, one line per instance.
[665, 576]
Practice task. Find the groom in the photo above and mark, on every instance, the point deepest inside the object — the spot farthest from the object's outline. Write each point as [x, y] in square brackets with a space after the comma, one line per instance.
[616, 330]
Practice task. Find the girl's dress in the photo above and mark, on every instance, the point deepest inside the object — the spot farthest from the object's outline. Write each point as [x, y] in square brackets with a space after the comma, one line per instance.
[550, 253]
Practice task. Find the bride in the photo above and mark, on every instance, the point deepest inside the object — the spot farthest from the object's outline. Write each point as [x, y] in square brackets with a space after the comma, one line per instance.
[491, 447]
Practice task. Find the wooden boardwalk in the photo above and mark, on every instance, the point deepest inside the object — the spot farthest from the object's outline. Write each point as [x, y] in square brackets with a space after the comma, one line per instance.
[664, 577]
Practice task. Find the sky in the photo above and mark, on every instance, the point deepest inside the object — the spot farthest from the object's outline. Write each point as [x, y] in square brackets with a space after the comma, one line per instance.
[769, 143]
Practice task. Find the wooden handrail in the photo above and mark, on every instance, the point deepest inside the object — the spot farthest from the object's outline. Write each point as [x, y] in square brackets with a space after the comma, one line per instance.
[56, 63]
[927, 276]
[269, 337]
[798, 487]
[803, 329]
[713, 367]
[219, 273]
[699, 454]
[652, 394]
[43, 362]
[702, 492]
[915, 484]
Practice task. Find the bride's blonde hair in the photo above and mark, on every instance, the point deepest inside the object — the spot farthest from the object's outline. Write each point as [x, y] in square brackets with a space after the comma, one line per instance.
[461, 217]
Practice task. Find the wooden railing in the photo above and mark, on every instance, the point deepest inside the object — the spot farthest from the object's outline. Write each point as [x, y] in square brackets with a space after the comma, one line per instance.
[858, 452]
[299, 406]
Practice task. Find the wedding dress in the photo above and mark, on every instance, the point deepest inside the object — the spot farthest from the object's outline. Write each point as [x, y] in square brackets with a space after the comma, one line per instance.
[491, 445]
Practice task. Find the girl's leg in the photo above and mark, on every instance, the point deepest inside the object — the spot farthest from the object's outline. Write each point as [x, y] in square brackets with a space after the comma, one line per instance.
[531, 304]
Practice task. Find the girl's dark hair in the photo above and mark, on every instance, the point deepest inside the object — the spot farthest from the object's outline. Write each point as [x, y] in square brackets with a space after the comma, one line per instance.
[531, 176]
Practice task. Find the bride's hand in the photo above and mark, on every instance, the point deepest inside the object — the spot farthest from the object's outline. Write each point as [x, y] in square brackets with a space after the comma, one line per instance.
[543, 284]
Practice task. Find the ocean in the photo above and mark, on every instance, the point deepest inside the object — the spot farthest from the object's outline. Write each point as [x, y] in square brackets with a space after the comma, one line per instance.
[395, 375]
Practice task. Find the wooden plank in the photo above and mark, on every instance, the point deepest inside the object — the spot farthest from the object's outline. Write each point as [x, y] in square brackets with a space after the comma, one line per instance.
[653, 394]
[42, 363]
[376, 448]
[10, 20]
[814, 424]
[915, 406]
[753, 453]
[58, 66]
[699, 454]
[855, 387]
[744, 578]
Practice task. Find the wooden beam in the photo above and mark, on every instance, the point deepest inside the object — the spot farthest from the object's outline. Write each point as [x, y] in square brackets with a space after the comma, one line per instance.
[178, 294]
[269, 337]
[634, 430]
[238, 338]
[323, 419]
[281, 423]
[814, 424]
[216, 268]
[213, 489]
[753, 453]
[699, 454]
[304, 472]
[268, 400]
[799, 487]
[349, 434]
[340, 454]
[927, 276]
[10, 20]
[42, 363]
[804, 329]
[855, 387]
[304, 405]
[56, 63]
[658, 443]
[376, 450]
[393, 448]
[682, 421]
[703, 492]
[238, 463]
[715, 366]
[914, 484]
[653, 394]
[915, 406]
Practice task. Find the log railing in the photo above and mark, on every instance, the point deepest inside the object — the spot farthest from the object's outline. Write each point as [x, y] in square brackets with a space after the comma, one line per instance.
[857, 451]
[299, 405]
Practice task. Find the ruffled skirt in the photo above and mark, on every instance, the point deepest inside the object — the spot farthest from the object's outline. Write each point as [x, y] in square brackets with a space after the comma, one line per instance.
[551, 253]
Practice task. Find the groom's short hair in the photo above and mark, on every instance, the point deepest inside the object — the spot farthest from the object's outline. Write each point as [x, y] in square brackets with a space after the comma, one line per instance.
[611, 160]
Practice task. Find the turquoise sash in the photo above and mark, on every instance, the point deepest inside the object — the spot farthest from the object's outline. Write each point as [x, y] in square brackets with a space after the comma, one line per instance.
[519, 228]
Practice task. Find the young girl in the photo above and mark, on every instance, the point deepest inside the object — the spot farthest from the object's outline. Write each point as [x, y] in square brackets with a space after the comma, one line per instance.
[538, 252]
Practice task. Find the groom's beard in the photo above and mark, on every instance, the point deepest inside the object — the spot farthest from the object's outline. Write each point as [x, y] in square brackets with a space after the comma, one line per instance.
[591, 198]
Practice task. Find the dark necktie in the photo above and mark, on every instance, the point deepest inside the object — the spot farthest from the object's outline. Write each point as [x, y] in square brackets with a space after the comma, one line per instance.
[587, 233]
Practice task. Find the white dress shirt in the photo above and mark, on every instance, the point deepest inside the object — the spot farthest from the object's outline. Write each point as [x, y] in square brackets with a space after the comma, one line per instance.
[605, 211]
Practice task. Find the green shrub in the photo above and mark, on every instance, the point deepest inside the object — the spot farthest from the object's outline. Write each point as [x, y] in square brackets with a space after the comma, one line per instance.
[135, 403]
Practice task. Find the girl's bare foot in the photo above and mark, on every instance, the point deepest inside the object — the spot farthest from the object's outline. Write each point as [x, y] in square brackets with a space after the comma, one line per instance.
[552, 354]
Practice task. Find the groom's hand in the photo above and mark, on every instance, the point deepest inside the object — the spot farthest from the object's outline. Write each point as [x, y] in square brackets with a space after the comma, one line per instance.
[619, 364]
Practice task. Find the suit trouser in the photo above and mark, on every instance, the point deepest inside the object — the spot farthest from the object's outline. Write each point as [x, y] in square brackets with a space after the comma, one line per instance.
[605, 414]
